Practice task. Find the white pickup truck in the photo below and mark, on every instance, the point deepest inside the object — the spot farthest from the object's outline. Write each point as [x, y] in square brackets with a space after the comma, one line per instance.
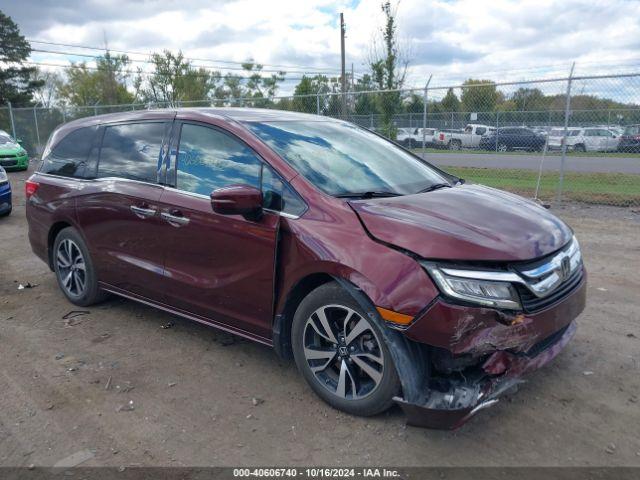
[467, 138]
[412, 137]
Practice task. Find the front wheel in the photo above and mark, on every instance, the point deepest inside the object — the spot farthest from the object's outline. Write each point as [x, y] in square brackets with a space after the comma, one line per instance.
[342, 354]
[502, 147]
[74, 269]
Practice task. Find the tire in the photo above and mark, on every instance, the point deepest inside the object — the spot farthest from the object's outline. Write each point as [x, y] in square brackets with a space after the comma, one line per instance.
[7, 213]
[455, 145]
[502, 147]
[332, 375]
[74, 269]
[579, 148]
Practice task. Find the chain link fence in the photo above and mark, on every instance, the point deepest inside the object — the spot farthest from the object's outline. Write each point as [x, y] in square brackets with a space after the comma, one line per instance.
[575, 138]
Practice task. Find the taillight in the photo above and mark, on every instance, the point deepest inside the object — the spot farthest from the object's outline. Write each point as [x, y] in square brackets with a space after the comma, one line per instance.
[442, 136]
[30, 187]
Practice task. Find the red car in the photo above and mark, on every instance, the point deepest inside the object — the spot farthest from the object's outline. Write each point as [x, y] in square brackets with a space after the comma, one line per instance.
[386, 279]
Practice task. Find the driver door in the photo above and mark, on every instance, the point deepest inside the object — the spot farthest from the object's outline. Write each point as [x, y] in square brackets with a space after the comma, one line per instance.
[217, 266]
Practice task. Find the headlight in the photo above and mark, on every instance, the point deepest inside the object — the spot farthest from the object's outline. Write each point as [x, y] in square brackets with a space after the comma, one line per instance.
[487, 288]
[3, 176]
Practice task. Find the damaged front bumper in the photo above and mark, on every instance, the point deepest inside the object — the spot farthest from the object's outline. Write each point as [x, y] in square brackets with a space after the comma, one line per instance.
[476, 354]
[501, 371]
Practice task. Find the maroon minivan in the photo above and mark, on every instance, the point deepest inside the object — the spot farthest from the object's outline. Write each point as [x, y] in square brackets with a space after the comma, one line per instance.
[385, 278]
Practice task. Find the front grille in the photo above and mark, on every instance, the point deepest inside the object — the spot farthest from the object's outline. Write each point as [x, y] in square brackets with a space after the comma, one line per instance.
[8, 163]
[8, 155]
[532, 303]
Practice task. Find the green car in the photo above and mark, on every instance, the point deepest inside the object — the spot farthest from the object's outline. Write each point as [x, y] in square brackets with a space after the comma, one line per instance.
[12, 155]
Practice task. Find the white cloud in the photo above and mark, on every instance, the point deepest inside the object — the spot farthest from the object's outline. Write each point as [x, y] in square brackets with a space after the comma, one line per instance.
[451, 39]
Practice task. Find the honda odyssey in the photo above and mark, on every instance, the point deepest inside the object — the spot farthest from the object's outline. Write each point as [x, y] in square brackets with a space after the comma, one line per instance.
[386, 279]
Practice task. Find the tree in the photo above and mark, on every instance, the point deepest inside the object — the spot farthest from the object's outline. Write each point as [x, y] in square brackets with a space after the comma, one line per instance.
[50, 82]
[17, 83]
[106, 84]
[414, 104]
[306, 94]
[388, 72]
[529, 99]
[174, 80]
[450, 102]
[479, 96]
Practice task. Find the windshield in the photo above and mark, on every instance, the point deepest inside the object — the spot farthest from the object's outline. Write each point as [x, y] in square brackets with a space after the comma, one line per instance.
[632, 130]
[5, 139]
[340, 158]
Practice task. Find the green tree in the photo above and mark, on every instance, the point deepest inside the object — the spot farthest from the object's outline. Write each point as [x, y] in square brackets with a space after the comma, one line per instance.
[306, 94]
[529, 99]
[105, 84]
[450, 102]
[17, 83]
[174, 80]
[414, 104]
[479, 96]
[388, 73]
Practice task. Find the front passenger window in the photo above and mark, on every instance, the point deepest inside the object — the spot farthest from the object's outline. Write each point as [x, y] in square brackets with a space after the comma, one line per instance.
[209, 159]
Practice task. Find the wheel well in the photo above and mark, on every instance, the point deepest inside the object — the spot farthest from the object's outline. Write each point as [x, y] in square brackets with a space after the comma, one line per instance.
[283, 321]
[53, 233]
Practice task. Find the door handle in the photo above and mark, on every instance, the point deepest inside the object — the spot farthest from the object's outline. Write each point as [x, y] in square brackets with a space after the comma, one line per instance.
[175, 220]
[143, 212]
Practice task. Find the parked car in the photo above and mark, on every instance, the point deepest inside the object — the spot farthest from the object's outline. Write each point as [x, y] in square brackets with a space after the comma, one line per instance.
[413, 137]
[513, 138]
[385, 278]
[5, 193]
[467, 138]
[12, 155]
[593, 139]
[630, 139]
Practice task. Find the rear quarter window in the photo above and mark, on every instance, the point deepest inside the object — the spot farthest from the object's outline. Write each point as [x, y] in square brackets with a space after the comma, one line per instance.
[69, 156]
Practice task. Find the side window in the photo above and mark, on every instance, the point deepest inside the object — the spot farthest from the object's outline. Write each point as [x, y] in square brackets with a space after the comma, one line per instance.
[209, 159]
[131, 151]
[68, 158]
[481, 130]
[279, 196]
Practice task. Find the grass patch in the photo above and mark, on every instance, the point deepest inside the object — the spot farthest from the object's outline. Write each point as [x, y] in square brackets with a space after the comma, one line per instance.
[600, 188]
[550, 153]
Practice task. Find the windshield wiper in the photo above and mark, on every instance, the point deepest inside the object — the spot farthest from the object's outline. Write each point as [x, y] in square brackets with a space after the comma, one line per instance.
[435, 186]
[371, 194]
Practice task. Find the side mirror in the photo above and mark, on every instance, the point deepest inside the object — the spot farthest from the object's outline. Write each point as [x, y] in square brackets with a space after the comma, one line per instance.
[19, 141]
[238, 200]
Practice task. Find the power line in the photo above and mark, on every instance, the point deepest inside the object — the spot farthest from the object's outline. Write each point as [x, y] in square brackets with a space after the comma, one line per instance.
[141, 72]
[87, 55]
[231, 62]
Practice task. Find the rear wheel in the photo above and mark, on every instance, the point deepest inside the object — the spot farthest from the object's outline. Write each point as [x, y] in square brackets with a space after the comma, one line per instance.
[341, 353]
[455, 145]
[580, 148]
[502, 147]
[74, 269]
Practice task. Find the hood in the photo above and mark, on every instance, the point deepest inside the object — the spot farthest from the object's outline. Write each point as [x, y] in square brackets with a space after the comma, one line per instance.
[9, 146]
[466, 222]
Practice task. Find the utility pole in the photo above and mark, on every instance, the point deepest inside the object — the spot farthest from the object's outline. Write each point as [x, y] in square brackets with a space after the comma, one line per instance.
[343, 79]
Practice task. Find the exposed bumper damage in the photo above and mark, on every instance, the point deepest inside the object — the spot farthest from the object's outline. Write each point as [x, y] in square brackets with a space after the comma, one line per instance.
[449, 408]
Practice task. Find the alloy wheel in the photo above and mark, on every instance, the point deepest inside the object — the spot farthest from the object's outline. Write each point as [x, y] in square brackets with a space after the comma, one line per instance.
[343, 352]
[72, 269]
[502, 147]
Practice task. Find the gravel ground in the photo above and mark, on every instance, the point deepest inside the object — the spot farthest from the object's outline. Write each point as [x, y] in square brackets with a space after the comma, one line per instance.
[112, 387]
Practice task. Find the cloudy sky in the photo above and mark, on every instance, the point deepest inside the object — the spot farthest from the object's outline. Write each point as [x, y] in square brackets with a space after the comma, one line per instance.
[452, 40]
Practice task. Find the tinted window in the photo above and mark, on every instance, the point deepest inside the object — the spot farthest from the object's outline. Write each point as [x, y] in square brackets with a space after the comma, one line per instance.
[481, 130]
[68, 157]
[209, 159]
[131, 151]
[278, 195]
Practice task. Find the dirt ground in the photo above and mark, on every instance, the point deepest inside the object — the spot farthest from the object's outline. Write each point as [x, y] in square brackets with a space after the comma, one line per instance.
[192, 387]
